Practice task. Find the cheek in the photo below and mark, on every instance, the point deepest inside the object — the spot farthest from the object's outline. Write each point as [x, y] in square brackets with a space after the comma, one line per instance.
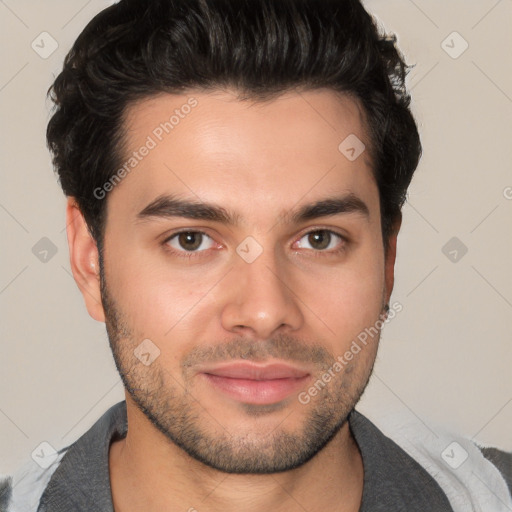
[158, 301]
[347, 298]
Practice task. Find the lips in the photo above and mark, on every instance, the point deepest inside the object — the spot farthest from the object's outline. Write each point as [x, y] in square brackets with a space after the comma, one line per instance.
[250, 371]
[257, 384]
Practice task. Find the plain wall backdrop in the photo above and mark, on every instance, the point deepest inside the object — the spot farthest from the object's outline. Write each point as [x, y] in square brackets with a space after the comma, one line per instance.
[445, 358]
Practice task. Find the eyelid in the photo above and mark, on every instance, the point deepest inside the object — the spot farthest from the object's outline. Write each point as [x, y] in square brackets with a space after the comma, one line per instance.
[174, 234]
[309, 230]
[167, 236]
[344, 239]
[330, 229]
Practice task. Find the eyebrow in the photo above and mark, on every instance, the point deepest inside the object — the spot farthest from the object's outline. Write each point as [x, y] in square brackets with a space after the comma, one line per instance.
[169, 206]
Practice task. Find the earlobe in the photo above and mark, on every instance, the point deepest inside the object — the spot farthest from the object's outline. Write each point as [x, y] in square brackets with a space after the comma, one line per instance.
[84, 259]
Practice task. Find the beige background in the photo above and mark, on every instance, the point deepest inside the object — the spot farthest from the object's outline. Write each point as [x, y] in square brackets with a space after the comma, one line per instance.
[446, 357]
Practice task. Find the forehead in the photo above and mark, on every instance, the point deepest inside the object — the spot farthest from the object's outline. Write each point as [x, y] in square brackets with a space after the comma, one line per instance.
[217, 148]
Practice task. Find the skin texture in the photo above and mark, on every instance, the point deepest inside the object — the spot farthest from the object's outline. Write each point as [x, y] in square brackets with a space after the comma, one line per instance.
[302, 301]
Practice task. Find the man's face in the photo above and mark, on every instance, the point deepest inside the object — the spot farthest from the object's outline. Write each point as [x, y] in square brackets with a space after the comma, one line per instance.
[222, 301]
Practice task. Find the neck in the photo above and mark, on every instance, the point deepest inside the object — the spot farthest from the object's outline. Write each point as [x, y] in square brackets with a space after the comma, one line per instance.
[150, 473]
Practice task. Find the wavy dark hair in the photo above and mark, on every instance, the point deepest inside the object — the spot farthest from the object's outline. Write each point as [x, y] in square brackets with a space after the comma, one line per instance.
[261, 48]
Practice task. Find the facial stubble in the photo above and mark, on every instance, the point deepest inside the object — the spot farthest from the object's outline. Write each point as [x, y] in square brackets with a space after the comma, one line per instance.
[168, 402]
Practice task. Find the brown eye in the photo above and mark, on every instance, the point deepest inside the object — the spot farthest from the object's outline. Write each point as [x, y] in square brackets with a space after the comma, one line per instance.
[321, 239]
[189, 241]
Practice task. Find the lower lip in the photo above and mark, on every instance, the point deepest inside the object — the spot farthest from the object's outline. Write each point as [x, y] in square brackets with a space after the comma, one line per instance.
[257, 391]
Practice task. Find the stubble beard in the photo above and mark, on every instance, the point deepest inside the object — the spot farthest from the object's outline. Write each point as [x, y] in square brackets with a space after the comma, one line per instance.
[173, 410]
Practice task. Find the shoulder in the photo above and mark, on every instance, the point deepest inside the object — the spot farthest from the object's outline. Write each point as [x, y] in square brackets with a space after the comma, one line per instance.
[77, 465]
[5, 492]
[502, 460]
[470, 475]
[22, 491]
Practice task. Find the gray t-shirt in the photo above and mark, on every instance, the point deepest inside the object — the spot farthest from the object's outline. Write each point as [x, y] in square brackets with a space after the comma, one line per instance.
[393, 481]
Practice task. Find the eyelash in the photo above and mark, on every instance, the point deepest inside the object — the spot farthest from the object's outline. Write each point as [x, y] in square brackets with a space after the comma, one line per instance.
[183, 254]
[193, 254]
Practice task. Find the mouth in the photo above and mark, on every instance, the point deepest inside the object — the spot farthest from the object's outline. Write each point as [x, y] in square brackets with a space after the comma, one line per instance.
[256, 384]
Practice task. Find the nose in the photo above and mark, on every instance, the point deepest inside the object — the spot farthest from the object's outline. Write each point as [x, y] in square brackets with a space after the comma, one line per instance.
[260, 300]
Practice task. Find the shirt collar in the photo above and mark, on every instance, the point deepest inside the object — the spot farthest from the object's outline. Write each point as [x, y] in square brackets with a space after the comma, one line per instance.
[392, 479]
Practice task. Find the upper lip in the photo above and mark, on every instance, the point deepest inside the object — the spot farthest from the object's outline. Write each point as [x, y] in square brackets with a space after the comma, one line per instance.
[253, 371]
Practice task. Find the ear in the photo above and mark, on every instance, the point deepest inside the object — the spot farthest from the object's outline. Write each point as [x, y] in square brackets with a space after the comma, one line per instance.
[84, 259]
[390, 257]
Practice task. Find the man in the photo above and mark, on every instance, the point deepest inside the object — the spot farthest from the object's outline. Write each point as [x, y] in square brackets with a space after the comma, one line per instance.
[235, 173]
